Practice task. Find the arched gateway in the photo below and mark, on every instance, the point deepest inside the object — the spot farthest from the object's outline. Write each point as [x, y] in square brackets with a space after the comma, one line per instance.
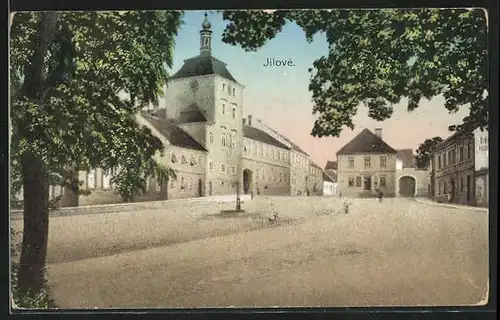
[407, 186]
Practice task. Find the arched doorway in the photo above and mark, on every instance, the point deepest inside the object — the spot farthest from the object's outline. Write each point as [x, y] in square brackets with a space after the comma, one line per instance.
[407, 186]
[247, 181]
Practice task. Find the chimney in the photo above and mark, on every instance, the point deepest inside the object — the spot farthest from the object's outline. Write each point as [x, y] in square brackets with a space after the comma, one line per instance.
[244, 121]
[378, 132]
[249, 119]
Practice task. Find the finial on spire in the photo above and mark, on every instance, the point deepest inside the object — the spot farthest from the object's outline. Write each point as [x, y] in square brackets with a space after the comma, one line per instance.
[205, 36]
[206, 24]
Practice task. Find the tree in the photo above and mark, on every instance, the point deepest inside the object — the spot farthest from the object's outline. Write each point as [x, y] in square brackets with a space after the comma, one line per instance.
[77, 81]
[378, 57]
[423, 156]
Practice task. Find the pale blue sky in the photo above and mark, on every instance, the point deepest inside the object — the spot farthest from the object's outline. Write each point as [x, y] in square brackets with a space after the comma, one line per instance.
[280, 97]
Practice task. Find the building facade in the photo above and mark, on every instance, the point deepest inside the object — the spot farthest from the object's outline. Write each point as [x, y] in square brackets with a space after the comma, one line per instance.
[481, 167]
[315, 180]
[453, 169]
[329, 185]
[212, 148]
[365, 165]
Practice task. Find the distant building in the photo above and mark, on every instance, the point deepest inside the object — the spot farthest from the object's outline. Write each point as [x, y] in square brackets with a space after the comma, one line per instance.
[367, 164]
[331, 168]
[329, 185]
[315, 180]
[481, 166]
[410, 181]
[453, 169]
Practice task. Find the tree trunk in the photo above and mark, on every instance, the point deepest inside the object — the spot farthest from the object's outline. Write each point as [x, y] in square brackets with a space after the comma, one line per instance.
[36, 224]
[34, 173]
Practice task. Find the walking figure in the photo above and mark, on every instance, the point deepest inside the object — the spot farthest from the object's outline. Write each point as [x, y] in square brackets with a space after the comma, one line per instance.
[346, 206]
[380, 195]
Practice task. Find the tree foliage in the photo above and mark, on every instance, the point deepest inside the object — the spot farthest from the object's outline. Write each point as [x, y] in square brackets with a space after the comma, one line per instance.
[81, 116]
[378, 57]
[77, 81]
[423, 155]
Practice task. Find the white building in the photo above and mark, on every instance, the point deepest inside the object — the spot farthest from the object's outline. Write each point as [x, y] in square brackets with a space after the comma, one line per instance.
[481, 166]
[329, 185]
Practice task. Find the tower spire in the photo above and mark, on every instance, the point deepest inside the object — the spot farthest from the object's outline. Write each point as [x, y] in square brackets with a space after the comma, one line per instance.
[205, 37]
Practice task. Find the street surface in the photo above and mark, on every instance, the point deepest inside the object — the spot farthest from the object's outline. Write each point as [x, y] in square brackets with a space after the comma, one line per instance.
[395, 253]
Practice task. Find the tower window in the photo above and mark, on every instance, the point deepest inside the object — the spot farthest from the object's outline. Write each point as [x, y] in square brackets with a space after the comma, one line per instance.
[234, 113]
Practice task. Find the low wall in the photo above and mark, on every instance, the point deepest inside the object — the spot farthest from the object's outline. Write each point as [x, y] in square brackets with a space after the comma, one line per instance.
[123, 207]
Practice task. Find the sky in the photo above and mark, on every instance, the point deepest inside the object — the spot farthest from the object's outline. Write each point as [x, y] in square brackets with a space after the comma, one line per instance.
[279, 96]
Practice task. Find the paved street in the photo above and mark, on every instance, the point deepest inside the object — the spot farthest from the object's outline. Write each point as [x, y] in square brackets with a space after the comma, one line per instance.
[398, 252]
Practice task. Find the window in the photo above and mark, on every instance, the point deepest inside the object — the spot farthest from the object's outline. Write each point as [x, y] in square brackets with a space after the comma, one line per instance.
[461, 154]
[200, 160]
[469, 151]
[358, 182]
[233, 170]
[244, 148]
[223, 139]
[229, 89]
[182, 183]
[192, 161]
[444, 160]
[222, 167]
[223, 108]
[261, 150]
[351, 162]
[210, 165]
[234, 91]
[444, 187]
[223, 86]
[382, 181]
[158, 185]
[383, 162]
[461, 186]
[234, 113]
[91, 178]
[106, 180]
[439, 162]
[368, 162]
[190, 184]
[351, 182]
[211, 137]
[172, 183]
[183, 159]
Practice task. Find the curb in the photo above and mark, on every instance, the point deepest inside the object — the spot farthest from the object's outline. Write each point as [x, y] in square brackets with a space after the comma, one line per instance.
[128, 207]
[480, 209]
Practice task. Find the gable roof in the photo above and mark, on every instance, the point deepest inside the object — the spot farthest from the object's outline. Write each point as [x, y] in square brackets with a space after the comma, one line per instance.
[175, 135]
[366, 142]
[191, 114]
[406, 156]
[203, 65]
[331, 165]
[259, 135]
[331, 177]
